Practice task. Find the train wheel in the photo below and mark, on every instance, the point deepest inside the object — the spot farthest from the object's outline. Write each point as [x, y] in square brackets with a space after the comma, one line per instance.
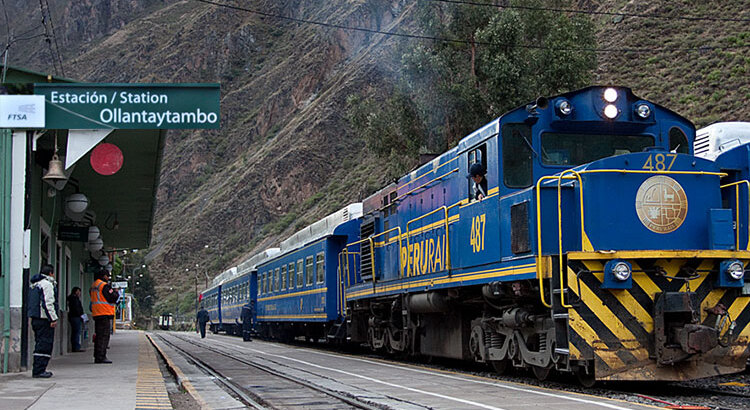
[500, 366]
[541, 373]
[586, 378]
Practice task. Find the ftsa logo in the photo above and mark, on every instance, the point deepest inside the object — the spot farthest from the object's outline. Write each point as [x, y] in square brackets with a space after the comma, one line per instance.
[23, 110]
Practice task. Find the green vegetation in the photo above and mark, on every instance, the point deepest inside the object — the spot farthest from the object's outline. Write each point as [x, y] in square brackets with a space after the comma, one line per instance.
[449, 88]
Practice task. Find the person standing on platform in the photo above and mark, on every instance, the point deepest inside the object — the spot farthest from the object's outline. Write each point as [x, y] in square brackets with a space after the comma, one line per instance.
[202, 319]
[43, 310]
[103, 299]
[247, 321]
[75, 317]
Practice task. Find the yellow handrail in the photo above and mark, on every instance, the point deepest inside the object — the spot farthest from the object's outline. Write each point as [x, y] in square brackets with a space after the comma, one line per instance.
[737, 207]
[398, 228]
[539, 234]
[372, 253]
[447, 241]
[559, 228]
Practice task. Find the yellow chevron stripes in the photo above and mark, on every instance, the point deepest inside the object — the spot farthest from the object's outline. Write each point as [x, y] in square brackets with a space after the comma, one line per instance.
[150, 391]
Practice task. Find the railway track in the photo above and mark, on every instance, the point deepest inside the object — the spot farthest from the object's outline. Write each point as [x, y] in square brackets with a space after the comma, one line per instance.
[256, 385]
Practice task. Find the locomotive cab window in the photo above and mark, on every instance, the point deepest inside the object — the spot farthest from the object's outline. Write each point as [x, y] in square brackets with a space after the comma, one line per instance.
[576, 149]
[319, 269]
[478, 187]
[678, 141]
[517, 156]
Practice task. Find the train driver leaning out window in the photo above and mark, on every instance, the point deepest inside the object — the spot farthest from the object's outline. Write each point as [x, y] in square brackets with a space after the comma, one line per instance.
[479, 189]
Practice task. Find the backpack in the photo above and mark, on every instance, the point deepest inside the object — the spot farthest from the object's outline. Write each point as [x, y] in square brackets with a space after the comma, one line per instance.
[36, 297]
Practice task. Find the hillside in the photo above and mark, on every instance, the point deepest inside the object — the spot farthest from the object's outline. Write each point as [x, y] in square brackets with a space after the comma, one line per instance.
[285, 155]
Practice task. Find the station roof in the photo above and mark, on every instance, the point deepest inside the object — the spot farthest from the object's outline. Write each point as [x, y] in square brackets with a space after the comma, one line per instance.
[123, 203]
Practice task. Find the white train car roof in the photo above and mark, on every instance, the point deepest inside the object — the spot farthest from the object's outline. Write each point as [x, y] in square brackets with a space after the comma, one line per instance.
[249, 265]
[713, 140]
[320, 229]
[224, 276]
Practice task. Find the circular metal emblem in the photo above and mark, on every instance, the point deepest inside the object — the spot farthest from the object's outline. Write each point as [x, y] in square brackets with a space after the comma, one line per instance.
[661, 204]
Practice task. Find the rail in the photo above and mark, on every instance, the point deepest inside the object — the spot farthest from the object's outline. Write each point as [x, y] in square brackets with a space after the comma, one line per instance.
[585, 244]
[737, 212]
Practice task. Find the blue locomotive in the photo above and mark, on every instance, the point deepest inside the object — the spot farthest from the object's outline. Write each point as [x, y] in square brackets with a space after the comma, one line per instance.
[588, 239]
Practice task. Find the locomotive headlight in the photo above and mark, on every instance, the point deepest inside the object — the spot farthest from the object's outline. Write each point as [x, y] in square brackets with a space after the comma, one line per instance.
[564, 107]
[735, 270]
[621, 271]
[618, 274]
[610, 95]
[610, 111]
[643, 111]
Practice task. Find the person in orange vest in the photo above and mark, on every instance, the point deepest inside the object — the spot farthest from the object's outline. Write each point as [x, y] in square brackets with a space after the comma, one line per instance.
[103, 299]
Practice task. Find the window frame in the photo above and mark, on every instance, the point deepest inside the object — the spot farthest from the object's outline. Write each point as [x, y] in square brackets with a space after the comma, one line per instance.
[283, 277]
[292, 277]
[320, 268]
[276, 279]
[505, 136]
[300, 273]
[309, 272]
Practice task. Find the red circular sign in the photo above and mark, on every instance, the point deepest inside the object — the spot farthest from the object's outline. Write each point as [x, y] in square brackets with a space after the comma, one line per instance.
[106, 159]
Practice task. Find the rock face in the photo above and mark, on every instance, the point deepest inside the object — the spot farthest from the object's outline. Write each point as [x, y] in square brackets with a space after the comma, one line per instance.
[284, 155]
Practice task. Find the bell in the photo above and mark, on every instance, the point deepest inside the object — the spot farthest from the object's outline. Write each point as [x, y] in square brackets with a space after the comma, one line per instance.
[55, 171]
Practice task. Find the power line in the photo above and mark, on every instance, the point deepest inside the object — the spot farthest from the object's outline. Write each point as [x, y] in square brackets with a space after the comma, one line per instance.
[54, 53]
[470, 42]
[591, 12]
[54, 37]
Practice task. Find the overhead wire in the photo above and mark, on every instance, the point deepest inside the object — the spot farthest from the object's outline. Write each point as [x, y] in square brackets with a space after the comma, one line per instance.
[470, 42]
[54, 53]
[590, 12]
[54, 38]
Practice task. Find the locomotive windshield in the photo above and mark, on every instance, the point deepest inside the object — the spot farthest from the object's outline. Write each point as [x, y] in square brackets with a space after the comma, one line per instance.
[577, 149]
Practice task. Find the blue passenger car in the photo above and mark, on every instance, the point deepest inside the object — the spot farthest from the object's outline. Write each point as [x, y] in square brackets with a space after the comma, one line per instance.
[299, 291]
[601, 247]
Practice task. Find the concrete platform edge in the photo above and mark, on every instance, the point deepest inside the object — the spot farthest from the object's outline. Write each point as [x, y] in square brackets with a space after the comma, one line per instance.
[182, 380]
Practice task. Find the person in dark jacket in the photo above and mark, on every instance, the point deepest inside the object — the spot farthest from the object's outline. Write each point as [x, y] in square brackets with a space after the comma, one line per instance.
[75, 313]
[247, 321]
[476, 174]
[43, 310]
[202, 319]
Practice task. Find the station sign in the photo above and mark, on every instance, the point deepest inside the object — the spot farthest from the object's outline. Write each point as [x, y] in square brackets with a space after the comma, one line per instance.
[73, 233]
[120, 285]
[130, 106]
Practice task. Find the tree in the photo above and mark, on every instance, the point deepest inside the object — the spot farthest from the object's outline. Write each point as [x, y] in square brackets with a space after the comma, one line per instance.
[507, 58]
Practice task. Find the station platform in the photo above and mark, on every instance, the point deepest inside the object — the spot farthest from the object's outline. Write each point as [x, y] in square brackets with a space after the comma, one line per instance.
[132, 381]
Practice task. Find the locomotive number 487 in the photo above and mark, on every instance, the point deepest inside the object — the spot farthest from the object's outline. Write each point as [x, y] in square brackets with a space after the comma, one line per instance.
[477, 232]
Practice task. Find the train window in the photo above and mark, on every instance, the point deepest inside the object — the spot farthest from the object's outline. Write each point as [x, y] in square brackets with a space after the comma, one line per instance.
[517, 156]
[577, 149]
[319, 268]
[478, 156]
[678, 141]
[283, 277]
[263, 283]
[309, 270]
[276, 281]
[300, 272]
[291, 275]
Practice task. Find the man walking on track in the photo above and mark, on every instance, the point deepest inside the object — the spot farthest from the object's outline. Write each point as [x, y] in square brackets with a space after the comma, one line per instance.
[103, 299]
[202, 319]
[247, 321]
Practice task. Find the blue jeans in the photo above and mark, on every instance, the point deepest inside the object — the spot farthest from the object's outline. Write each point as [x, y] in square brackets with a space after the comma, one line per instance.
[75, 332]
